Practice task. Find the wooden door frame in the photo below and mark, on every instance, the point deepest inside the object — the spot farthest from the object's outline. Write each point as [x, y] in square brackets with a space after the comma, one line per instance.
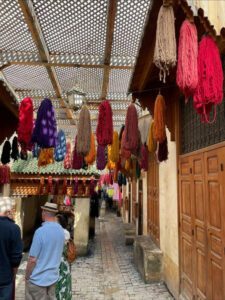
[200, 151]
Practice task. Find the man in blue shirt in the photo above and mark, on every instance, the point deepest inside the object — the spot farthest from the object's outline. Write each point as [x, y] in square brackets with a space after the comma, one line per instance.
[42, 270]
[10, 249]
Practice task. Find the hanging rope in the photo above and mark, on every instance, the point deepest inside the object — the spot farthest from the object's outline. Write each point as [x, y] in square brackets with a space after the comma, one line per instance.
[84, 132]
[160, 119]
[165, 56]
[130, 140]
[209, 91]
[187, 65]
[104, 131]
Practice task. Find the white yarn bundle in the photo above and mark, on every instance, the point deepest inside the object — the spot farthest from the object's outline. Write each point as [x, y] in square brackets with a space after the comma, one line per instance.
[143, 125]
[165, 55]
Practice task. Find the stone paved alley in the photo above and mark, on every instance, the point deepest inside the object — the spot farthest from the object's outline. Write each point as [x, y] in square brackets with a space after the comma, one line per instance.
[108, 271]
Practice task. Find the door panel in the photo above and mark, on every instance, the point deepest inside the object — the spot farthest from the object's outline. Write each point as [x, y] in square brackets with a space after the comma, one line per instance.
[215, 229]
[202, 232]
[153, 199]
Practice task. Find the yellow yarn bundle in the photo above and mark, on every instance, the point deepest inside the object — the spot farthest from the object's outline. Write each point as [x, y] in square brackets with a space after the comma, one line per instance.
[151, 143]
[114, 148]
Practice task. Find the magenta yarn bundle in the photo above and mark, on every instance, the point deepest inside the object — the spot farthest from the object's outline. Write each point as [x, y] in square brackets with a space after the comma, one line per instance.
[101, 157]
[209, 91]
[144, 158]
[77, 162]
[131, 136]
[187, 64]
[104, 131]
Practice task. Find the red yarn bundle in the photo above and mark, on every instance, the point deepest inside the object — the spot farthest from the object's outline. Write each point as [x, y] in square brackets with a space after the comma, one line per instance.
[77, 162]
[144, 158]
[25, 126]
[130, 140]
[4, 174]
[209, 91]
[187, 64]
[124, 152]
[104, 131]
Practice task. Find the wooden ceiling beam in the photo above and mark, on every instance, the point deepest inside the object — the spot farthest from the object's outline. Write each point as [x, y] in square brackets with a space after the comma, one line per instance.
[111, 17]
[64, 65]
[38, 38]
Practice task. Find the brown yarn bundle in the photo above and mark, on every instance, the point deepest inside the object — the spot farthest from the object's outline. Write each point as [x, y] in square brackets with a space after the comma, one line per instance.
[163, 151]
[151, 143]
[90, 158]
[130, 141]
[160, 119]
[84, 132]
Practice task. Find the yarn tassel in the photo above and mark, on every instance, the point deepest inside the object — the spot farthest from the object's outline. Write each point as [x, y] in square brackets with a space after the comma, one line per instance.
[130, 140]
[77, 158]
[151, 143]
[187, 65]
[144, 160]
[101, 158]
[84, 132]
[46, 157]
[5, 158]
[159, 119]
[104, 131]
[114, 148]
[15, 150]
[163, 151]
[165, 55]
[90, 158]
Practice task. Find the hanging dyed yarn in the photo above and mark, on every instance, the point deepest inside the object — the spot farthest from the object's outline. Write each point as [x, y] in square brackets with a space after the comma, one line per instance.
[209, 91]
[77, 162]
[45, 131]
[67, 159]
[15, 150]
[84, 131]
[114, 148]
[101, 158]
[165, 55]
[143, 125]
[60, 150]
[4, 174]
[104, 131]
[5, 158]
[160, 119]
[151, 143]
[123, 152]
[144, 158]
[90, 158]
[36, 150]
[46, 157]
[187, 64]
[25, 127]
[130, 134]
[163, 151]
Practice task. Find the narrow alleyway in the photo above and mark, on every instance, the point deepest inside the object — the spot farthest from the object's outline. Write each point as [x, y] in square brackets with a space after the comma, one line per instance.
[108, 271]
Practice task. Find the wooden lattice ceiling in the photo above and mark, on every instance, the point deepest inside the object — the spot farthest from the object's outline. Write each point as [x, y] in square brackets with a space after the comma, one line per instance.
[47, 46]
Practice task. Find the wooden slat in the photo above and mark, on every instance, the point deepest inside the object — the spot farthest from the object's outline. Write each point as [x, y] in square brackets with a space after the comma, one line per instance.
[35, 29]
[112, 6]
[64, 65]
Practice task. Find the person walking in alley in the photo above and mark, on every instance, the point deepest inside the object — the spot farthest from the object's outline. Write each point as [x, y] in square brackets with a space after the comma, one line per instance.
[42, 270]
[64, 284]
[10, 249]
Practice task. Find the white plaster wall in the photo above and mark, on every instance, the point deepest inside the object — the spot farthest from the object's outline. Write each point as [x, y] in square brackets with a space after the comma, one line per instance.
[169, 217]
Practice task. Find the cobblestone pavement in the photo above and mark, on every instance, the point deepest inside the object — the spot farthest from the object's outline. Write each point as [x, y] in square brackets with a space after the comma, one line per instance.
[108, 272]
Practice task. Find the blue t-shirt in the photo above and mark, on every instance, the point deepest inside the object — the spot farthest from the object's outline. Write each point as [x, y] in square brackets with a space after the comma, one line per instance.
[47, 247]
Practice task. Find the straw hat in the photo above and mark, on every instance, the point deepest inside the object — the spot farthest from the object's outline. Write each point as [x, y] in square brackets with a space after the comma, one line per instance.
[52, 207]
[5, 204]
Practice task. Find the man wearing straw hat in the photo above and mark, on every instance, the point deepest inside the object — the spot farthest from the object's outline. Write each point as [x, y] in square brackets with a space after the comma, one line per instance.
[10, 249]
[42, 270]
